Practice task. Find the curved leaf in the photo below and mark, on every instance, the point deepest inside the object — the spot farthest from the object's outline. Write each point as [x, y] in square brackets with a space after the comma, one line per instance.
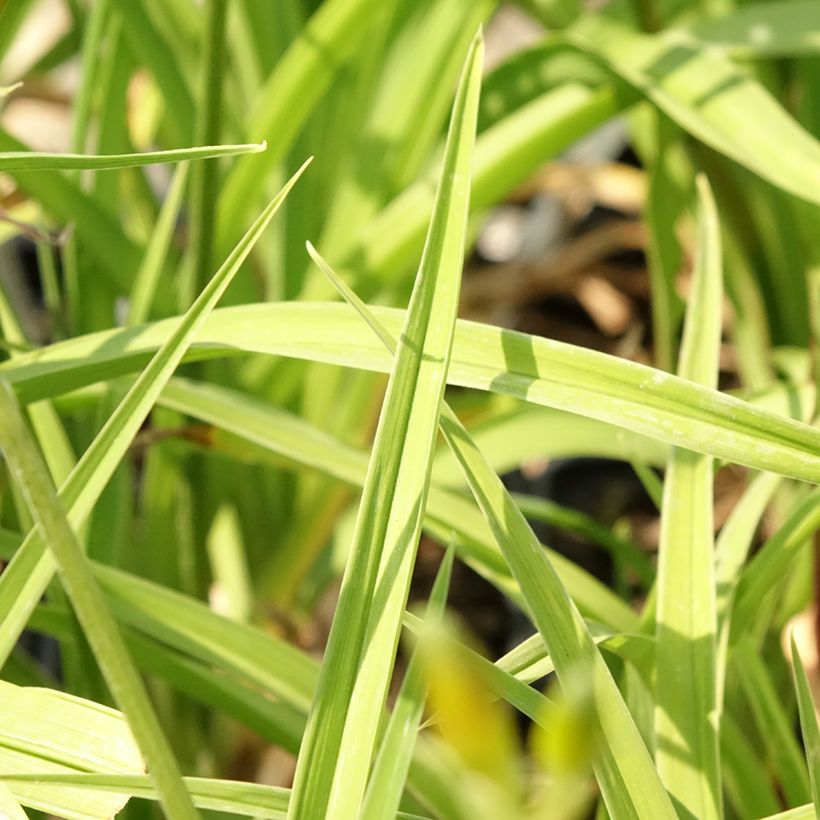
[541, 371]
[711, 98]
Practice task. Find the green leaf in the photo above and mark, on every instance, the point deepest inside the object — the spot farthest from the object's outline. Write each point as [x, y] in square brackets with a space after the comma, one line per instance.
[233, 797]
[161, 58]
[764, 574]
[503, 683]
[731, 551]
[12, 14]
[808, 723]
[625, 773]
[711, 98]
[510, 438]
[746, 777]
[626, 552]
[112, 250]
[150, 270]
[286, 100]
[11, 808]
[773, 722]
[506, 155]
[530, 661]
[449, 515]
[538, 370]
[686, 692]
[30, 473]
[661, 212]
[28, 575]
[216, 795]
[45, 732]
[392, 762]
[37, 161]
[786, 28]
[5, 90]
[800, 813]
[336, 754]
[191, 628]
[253, 665]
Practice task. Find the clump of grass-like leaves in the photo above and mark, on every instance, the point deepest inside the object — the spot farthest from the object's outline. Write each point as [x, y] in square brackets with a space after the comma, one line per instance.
[204, 426]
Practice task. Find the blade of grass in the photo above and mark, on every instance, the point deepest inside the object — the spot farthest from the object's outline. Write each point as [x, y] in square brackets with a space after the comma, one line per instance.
[506, 155]
[5, 90]
[763, 575]
[49, 732]
[10, 809]
[808, 723]
[653, 486]
[258, 433]
[38, 161]
[337, 751]
[178, 623]
[204, 180]
[12, 15]
[392, 762]
[530, 661]
[773, 722]
[687, 752]
[511, 438]
[410, 104]
[216, 795]
[731, 550]
[230, 796]
[148, 275]
[576, 522]
[800, 813]
[746, 778]
[59, 455]
[30, 472]
[287, 99]
[153, 51]
[712, 99]
[448, 514]
[195, 631]
[115, 253]
[780, 29]
[275, 721]
[29, 573]
[538, 370]
[661, 212]
[626, 775]
[527, 700]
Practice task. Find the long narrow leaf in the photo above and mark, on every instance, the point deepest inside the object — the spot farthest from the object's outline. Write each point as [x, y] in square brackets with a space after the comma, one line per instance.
[708, 96]
[287, 98]
[31, 474]
[774, 723]
[538, 370]
[47, 732]
[10, 809]
[392, 762]
[686, 691]
[808, 723]
[148, 275]
[626, 775]
[785, 28]
[28, 575]
[337, 751]
[449, 515]
[763, 575]
[231, 796]
[731, 550]
[36, 161]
